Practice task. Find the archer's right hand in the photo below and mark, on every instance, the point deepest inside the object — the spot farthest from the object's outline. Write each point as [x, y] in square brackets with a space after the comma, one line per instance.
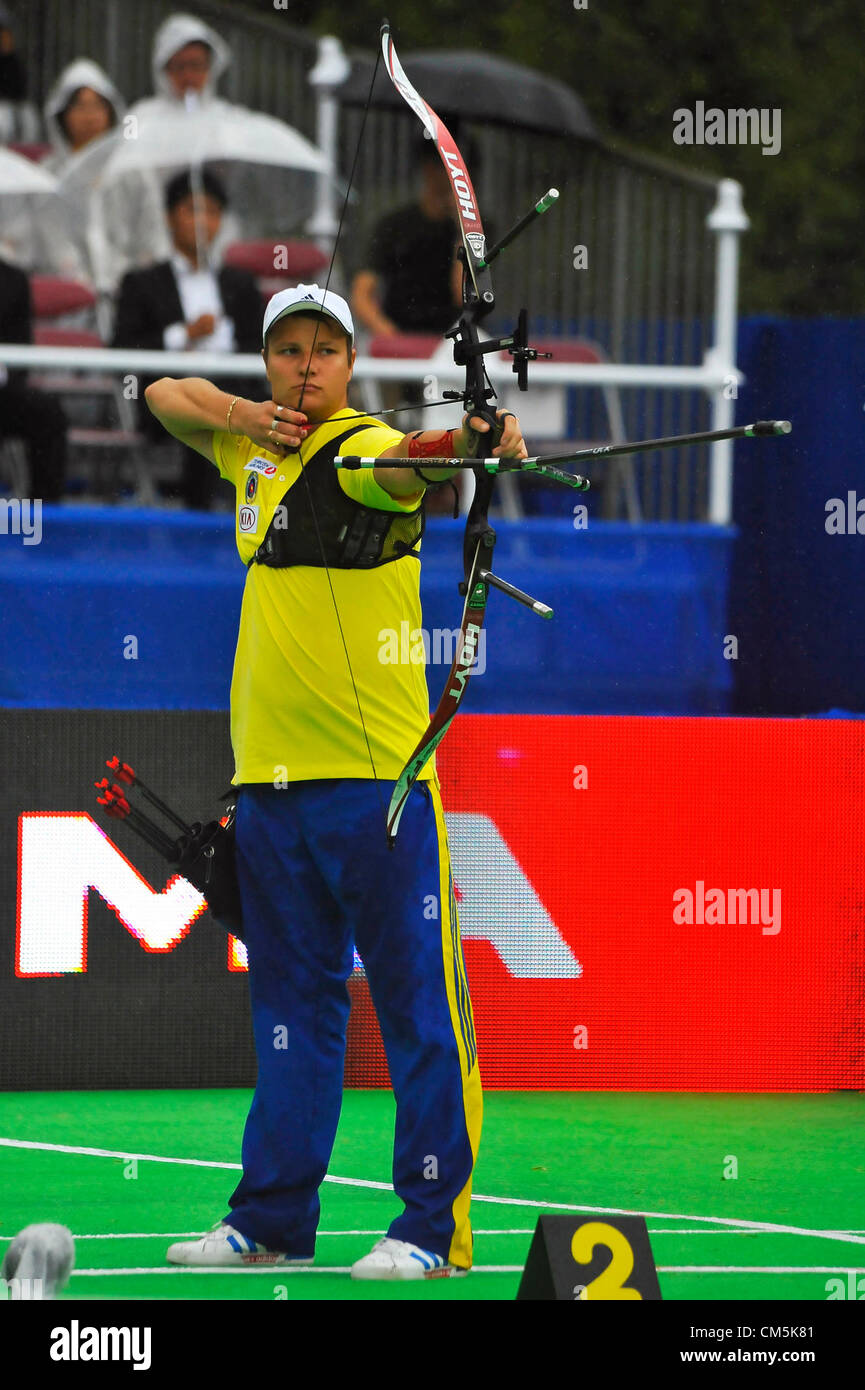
[277, 428]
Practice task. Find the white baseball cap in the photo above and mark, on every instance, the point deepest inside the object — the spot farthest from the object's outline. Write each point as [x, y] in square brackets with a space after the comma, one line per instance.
[308, 298]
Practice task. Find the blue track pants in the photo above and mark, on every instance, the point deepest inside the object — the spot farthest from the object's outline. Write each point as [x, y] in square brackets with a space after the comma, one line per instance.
[316, 878]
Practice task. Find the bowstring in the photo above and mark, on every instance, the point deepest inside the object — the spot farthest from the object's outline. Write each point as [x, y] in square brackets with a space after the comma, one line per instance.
[397, 409]
[355, 415]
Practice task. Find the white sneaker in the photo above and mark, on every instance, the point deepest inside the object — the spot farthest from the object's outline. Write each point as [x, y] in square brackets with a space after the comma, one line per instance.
[226, 1246]
[398, 1259]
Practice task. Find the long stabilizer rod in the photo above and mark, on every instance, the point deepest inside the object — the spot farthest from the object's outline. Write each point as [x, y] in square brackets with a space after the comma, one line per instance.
[541, 206]
[758, 430]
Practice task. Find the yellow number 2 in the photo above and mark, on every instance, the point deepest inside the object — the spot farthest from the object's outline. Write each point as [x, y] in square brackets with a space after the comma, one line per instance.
[609, 1283]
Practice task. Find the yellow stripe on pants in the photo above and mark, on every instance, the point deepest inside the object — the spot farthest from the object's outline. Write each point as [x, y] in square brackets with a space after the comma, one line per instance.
[462, 1020]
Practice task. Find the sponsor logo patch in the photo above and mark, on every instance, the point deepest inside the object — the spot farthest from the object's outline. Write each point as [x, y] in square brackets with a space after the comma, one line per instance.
[247, 518]
[260, 465]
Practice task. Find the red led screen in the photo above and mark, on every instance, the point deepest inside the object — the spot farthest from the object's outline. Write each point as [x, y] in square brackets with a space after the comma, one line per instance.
[660, 903]
[645, 904]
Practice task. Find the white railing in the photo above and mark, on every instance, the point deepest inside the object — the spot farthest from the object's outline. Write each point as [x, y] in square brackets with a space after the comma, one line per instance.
[713, 377]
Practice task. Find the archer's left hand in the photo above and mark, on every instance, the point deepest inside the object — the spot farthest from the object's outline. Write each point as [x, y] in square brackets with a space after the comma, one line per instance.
[509, 439]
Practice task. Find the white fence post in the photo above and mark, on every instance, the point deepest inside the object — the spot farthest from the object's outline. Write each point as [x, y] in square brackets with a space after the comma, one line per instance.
[331, 68]
[727, 220]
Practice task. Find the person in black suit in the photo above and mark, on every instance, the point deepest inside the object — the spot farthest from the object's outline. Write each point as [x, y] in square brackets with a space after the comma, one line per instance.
[25, 412]
[184, 303]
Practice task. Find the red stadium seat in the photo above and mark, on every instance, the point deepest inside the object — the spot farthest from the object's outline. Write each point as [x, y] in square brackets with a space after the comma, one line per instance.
[571, 349]
[29, 149]
[618, 476]
[66, 337]
[395, 347]
[276, 264]
[52, 297]
[404, 344]
[104, 444]
[297, 259]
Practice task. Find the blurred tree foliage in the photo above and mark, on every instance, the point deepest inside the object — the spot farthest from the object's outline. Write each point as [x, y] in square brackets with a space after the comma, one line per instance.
[635, 63]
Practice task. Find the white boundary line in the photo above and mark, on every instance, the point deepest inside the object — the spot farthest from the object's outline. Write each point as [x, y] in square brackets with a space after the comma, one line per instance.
[699, 1231]
[760, 1226]
[277, 1271]
[759, 1269]
[498, 1231]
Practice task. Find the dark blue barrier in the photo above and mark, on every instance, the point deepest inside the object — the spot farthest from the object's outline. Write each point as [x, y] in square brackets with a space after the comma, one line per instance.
[639, 626]
[797, 598]
[100, 576]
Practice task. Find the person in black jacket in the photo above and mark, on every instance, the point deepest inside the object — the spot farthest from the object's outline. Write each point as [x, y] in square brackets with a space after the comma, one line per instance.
[19, 119]
[13, 80]
[25, 412]
[187, 304]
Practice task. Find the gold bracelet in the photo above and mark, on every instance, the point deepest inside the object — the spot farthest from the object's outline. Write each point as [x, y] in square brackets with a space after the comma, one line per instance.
[228, 417]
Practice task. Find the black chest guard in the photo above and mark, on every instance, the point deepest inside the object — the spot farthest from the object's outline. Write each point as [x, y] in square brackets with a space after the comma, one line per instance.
[352, 536]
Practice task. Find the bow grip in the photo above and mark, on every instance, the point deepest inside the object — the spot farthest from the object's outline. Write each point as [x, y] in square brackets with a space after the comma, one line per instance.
[482, 445]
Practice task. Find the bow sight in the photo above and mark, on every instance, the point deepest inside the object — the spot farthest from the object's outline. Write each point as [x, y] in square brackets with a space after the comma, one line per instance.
[480, 300]
[516, 344]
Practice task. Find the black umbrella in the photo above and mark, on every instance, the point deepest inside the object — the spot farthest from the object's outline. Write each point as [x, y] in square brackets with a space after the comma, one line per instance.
[479, 87]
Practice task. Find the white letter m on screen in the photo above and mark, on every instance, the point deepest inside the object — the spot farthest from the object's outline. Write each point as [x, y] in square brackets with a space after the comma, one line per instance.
[60, 858]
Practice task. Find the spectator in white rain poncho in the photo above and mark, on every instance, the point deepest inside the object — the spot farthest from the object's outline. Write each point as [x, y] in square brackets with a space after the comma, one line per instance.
[82, 106]
[48, 235]
[188, 59]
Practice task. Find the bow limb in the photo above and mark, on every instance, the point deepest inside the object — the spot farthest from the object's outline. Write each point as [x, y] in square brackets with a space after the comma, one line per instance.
[478, 300]
[471, 227]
